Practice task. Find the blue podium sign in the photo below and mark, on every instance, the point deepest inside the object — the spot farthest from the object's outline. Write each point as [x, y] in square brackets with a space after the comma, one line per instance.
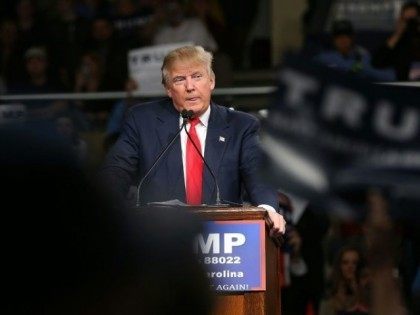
[233, 253]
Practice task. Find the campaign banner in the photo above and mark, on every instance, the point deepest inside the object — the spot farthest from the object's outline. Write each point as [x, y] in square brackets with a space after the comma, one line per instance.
[233, 254]
[328, 131]
[144, 65]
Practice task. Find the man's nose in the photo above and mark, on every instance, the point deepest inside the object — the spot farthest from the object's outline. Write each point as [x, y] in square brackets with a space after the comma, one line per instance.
[189, 84]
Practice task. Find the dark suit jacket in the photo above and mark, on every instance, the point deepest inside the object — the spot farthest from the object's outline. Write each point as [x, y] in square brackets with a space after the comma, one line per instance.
[231, 151]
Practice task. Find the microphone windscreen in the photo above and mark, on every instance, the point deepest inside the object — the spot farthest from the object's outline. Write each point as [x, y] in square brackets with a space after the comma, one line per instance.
[187, 114]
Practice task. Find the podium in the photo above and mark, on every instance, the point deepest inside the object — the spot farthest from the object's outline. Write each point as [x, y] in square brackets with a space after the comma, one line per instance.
[252, 302]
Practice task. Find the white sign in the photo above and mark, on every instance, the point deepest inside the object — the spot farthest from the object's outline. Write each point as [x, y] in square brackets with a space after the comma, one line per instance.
[144, 65]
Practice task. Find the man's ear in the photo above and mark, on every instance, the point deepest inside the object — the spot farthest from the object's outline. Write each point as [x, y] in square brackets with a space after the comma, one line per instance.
[168, 92]
[213, 83]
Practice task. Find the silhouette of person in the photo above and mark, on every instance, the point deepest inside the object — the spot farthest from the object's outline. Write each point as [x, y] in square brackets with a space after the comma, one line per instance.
[66, 251]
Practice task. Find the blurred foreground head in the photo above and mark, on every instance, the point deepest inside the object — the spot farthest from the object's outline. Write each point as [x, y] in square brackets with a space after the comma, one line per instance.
[65, 251]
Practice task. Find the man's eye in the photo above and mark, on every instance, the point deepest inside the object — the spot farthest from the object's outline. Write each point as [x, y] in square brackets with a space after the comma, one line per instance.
[197, 76]
[177, 79]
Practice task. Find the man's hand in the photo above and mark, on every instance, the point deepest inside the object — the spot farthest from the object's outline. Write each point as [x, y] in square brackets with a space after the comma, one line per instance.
[279, 224]
[398, 33]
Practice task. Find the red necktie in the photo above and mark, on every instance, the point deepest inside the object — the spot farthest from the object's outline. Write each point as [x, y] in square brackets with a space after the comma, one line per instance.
[194, 166]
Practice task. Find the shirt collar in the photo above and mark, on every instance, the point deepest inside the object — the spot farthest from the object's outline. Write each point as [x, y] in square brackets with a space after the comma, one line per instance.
[204, 118]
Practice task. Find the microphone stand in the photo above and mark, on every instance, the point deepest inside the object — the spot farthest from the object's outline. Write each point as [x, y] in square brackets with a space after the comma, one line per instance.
[186, 115]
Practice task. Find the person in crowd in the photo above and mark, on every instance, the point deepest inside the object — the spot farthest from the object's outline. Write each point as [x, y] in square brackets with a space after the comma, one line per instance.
[91, 77]
[346, 56]
[239, 17]
[389, 236]
[386, 288]
[112, 53]
[305, 231]
[346, 230]
[39, 81]
[344, 296]
[11, 69]
[152, 17]
[69, 36]
[117, 115]
[314, 23]
[211, 14]
[257, 54]
[91, 9]
[402, 49]
[66, 251]
[228, 140]
[395, 214]
[32, 29]
[129, 20]
[66, 128]
[179, 28]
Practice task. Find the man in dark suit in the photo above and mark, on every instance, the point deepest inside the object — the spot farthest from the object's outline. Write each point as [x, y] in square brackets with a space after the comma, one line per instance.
[227, 139]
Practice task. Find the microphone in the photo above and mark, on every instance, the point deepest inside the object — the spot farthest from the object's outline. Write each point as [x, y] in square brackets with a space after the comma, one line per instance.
[218, 200]
[186, 115]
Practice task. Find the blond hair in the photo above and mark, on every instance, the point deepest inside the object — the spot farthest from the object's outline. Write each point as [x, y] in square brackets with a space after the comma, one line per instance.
[190, 54]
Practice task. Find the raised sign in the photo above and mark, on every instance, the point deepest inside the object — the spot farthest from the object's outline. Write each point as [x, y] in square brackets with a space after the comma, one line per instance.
[144, 65]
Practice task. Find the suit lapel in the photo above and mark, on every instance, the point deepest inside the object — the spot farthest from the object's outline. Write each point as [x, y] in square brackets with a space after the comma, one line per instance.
[216, 142]
[166, 128]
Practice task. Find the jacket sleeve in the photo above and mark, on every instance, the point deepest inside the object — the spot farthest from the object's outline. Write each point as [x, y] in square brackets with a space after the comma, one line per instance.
[250, 162]
[120, 168]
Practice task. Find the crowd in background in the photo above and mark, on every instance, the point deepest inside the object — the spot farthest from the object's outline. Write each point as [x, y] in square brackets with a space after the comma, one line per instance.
[396, 58]
[81, 46]
[333, 265]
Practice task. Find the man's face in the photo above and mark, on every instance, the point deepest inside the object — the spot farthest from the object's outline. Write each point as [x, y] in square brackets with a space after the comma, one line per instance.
[190, 86]
[36, 66]
[101, 30]
[409, 13]
[349, 263]
[343, 43]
